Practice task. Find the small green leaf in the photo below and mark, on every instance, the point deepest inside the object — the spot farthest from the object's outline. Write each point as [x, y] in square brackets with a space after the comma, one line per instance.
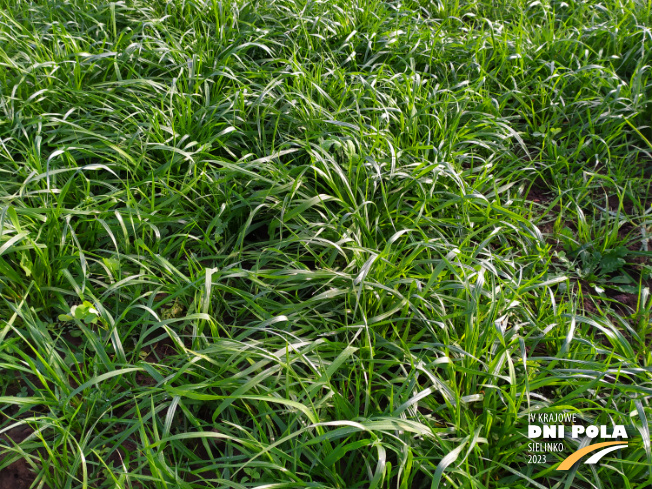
[77, 312]
[26, 264]
[112, 264]
[613, 260]
[85, 312]
[621, 279]
[349, 149]
[626, 289]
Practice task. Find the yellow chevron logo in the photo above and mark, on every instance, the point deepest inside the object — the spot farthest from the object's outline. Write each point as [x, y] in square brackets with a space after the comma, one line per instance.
[608, 446]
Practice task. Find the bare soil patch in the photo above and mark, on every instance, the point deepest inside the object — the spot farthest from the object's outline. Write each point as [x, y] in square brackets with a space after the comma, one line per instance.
[17, 475]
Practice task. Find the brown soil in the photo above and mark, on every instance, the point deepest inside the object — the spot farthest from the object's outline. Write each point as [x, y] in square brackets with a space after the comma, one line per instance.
[118, 456]
[588, 305]
[17, 475]
[143, 379]
[162, 349]
[625, 301]
[614, 204]
[538, 194]
[75, 341]
[157, 353]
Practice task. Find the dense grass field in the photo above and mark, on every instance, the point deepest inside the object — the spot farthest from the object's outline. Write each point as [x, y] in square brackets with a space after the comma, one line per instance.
[328, 244]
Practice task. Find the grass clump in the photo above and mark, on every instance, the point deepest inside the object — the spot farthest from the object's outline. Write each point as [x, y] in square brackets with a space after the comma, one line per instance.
[322, 244]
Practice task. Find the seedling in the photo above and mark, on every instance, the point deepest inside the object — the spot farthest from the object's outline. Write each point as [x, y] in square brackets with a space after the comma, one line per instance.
[85, 312]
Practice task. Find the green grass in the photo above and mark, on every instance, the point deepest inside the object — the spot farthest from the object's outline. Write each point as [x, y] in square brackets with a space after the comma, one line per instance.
[330, 244]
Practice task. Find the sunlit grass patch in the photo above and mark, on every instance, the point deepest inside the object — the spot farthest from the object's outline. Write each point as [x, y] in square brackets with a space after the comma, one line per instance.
[322, 244]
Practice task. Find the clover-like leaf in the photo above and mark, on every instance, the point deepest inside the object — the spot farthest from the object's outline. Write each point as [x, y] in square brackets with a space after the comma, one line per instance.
[83, 312]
